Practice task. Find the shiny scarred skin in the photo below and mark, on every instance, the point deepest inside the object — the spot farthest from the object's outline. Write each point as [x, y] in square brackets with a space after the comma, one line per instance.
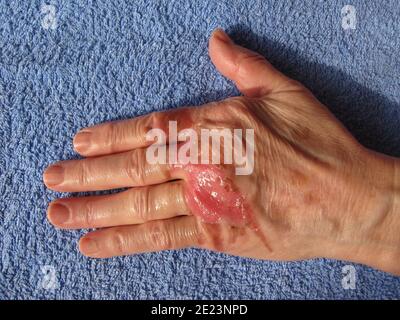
[314, 192]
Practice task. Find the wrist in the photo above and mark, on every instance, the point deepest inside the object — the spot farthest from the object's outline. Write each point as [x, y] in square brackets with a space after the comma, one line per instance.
[372, 235]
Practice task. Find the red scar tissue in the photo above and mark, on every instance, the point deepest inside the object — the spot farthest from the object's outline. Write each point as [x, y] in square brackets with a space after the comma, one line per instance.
[212, 196]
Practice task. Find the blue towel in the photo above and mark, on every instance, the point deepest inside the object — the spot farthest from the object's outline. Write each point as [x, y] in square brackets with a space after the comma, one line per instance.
[65, 65]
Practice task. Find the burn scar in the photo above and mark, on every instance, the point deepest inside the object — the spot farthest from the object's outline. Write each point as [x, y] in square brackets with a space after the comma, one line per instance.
[212, 195]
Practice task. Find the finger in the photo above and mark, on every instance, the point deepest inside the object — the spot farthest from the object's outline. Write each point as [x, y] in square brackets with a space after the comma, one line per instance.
[136, 205]
[128, 169]
[118, 136]
[252, 73]
[175, 233]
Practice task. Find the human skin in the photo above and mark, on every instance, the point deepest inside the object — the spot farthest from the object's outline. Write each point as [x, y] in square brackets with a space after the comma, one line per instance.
[314, 192]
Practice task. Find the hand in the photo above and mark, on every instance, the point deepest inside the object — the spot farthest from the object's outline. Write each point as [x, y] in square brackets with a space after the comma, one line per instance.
[314, 190]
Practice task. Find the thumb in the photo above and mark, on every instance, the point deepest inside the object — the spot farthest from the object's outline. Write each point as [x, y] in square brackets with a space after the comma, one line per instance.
[253, 75]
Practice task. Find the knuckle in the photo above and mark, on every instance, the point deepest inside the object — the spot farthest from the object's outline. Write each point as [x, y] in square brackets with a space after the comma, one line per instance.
[83, 173]
[89, 217]
[177, 193]
[118, 242]
[140, 203]
[115, 134]
[247, 59]
[142, 126]
[155, 120]
[160, 236]
[206, 235]
[135, 169]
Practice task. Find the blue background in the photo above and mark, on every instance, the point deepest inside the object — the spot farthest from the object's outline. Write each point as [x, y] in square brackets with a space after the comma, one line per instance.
[118, 59]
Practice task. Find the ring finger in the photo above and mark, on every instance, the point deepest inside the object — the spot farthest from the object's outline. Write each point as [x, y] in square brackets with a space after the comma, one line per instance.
[133, 206]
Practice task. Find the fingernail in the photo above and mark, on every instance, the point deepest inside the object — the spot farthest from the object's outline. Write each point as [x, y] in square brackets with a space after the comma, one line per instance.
[221, 35]
[58, 214]
[82, 141]
[88, 246]
[53, 175]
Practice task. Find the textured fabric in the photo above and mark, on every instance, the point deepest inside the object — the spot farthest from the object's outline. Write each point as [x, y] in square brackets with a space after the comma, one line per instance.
[107, 60]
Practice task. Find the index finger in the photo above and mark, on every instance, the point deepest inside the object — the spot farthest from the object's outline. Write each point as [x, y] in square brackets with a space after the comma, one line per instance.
[124, 135]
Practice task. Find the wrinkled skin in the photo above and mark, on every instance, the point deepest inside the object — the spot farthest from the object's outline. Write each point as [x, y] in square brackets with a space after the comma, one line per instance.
[315, 191]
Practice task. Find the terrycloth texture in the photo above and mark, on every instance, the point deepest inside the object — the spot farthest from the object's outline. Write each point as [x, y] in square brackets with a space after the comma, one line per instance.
[118, 59]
